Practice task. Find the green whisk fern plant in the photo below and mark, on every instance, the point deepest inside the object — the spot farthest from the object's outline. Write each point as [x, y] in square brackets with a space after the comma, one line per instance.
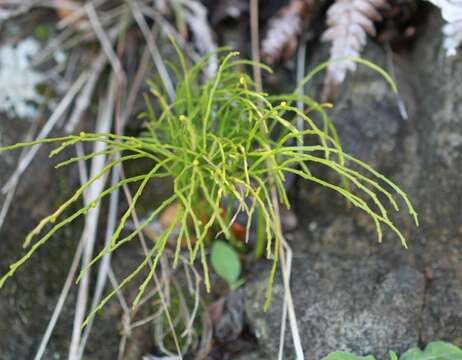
[219, 142]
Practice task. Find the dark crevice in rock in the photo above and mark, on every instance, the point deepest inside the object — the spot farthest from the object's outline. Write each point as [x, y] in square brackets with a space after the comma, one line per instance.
[428, 279]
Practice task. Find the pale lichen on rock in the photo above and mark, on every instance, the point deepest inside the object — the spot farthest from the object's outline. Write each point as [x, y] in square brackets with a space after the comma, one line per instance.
[19, 80]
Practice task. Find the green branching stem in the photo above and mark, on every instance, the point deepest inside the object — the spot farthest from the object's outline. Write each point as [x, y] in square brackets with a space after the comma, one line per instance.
[225, 146]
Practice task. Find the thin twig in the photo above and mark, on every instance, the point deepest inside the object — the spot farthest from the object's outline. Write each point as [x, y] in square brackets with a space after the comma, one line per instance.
[207, 336]
[147, 319]
[52, 46]
[137, 83]
[301, 56]
[125, 316]
[156, 280]
[285, 269]
[76, 15]
[147, 33]
[255, 43]
[104, 267]
[183, 313]
[106, 43]
[115, 284]
[287, 265]
[196, 306]
[166, 27]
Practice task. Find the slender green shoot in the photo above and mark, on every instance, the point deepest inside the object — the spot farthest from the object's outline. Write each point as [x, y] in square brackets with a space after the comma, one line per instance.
[221, 143]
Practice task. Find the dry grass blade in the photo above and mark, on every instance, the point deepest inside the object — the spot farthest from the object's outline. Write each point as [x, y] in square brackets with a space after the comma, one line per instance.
[106, 42]
[103, 125]
[167, 28]
[255, 38]
[126, 317]
[152, 46]
[105, 266]
[277, 228]
[54, 45]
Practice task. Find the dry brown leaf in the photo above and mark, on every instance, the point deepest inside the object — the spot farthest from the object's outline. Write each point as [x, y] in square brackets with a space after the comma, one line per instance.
[284, 30]
[349, 22]
[169, 214]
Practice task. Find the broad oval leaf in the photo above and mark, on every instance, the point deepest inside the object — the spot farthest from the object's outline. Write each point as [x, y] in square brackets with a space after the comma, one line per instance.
[340, 355]
[438, 350]
[226, 262]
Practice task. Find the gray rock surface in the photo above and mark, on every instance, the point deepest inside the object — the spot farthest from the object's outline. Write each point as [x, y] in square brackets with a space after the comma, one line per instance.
[421, 154]
[365, 306]
[249, 356]
[442, 316]
[28, 299]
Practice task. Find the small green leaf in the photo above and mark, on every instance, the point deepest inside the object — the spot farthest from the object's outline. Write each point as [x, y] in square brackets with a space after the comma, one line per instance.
[226, 262]
[340, 355]
[438, 350]
[42, 32]
[393, 356]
